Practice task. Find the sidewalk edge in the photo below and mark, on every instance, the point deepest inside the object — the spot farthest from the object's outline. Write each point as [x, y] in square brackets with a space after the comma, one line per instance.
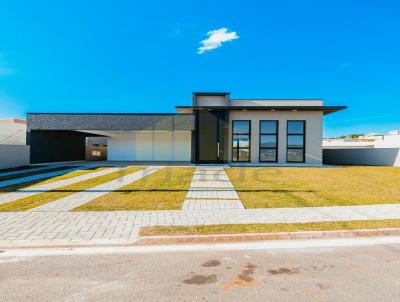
[225, 238]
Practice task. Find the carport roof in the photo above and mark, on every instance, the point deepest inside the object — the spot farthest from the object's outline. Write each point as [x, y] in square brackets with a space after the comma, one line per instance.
[110, 121]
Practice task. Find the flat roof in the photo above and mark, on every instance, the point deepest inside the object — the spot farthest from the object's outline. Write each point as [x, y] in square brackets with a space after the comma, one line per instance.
[211, 93]
[325, 109]
[106, 113]
[110, 121]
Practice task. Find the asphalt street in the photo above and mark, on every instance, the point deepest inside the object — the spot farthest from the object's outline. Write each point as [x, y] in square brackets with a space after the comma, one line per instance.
[369, 273]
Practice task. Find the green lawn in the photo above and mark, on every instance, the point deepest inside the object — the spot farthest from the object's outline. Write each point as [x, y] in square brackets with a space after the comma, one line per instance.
[268, 228]
[33, 201]
[270, 187]
[163, 190]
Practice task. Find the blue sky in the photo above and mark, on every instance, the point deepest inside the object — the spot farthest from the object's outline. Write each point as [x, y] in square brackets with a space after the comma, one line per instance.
[142, 56]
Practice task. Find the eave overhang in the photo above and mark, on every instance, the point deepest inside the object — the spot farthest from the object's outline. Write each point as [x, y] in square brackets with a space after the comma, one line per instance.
[325, 109]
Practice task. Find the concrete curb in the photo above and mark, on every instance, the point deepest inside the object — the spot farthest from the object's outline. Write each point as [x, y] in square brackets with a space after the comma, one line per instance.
[200, 239]
[224, 238]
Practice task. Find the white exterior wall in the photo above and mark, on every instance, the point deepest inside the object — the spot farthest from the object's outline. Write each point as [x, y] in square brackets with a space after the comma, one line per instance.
[211, 100]
[13, 156]
[363, 156]
[12, 132]
[388, 141]
[150, 146]
[313, 147]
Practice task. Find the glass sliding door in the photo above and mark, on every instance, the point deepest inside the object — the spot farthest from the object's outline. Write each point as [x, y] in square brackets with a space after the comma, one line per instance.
[296, 141]
[241, 131]
[268, 141]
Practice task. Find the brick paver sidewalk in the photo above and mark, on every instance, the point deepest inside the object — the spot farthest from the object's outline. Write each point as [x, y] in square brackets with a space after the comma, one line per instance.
[47, 228]
[211, 189]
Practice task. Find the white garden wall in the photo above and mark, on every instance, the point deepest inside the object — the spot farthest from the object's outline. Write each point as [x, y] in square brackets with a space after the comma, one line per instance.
[363, 156]
[13, 156]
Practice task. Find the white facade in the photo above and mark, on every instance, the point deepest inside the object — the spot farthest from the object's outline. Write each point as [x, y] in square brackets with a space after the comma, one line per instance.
[313, 133]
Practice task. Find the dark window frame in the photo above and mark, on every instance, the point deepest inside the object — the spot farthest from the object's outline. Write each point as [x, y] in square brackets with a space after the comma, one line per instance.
[268, 148]
[296, 134]
[241, 148]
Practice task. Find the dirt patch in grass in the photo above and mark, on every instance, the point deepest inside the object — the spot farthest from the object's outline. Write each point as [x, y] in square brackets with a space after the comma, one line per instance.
[165, 189]
[271, 187]
[31, 202]
[268, 228]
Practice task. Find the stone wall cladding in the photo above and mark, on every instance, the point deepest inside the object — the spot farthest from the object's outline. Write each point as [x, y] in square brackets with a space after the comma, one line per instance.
[124, 122]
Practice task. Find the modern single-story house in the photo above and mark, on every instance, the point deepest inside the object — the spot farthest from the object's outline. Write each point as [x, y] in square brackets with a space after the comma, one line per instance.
[215, 129]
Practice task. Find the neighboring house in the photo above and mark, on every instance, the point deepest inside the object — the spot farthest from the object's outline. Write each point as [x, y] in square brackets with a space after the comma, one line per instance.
[13, 149]
[12, 131]
[370, 149]
[373, 140]
[215, 129]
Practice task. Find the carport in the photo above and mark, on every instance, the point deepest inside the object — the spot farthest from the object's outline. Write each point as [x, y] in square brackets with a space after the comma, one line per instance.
[57, 137]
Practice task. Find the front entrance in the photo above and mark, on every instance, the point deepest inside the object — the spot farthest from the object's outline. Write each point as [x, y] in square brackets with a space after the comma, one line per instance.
[212, 128]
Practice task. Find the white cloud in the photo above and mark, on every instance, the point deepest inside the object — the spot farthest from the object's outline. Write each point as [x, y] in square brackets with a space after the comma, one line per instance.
[216, 38]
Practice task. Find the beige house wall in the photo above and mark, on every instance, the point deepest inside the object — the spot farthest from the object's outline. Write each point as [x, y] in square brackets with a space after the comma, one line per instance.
[313, 147]
[211, 100]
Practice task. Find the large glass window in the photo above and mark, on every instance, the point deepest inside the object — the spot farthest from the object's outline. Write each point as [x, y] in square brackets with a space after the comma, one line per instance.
[241, 131]
[296, 141]
[268, 141]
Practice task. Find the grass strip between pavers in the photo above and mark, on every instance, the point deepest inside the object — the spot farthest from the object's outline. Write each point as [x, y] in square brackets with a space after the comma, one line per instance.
[165, 189]
[267, 228]
[36, 200]
[292, 187]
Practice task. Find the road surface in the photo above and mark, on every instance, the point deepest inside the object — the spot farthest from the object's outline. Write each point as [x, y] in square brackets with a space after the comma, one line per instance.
[369, 273]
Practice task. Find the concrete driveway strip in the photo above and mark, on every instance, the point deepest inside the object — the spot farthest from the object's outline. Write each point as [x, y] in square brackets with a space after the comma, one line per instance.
[21, 180]
[27, 170]
[78, 199]
[4, 198]
[211, 191]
